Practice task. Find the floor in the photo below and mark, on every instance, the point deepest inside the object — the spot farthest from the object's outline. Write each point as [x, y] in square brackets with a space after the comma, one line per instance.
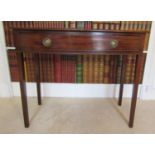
[75, 115]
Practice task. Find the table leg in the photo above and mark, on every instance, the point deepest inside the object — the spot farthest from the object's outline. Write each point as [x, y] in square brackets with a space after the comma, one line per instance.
[122, 80]
[135, 90]
[23, 88]
[37, 67]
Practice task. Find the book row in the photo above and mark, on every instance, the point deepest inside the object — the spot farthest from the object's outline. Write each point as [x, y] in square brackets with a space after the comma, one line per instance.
[75, 68]
[81, 25]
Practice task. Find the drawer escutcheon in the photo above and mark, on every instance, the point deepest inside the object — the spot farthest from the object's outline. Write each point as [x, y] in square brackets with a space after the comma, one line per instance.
[114, 43]
[47, 42]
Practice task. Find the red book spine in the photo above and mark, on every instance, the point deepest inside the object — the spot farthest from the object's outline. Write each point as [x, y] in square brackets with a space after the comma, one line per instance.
[73, 70]
[66, 69]
[57, 68]
[85, 25]
[69, 72]
[63, 68]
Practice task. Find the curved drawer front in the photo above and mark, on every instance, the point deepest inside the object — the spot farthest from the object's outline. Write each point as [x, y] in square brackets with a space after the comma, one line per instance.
[78, 42]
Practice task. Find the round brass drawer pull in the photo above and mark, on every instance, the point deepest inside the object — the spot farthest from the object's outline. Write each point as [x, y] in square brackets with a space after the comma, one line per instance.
[47, 42]
[114, 43]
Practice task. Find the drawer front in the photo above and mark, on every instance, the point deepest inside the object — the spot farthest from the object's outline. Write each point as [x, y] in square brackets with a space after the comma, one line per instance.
[78, 42]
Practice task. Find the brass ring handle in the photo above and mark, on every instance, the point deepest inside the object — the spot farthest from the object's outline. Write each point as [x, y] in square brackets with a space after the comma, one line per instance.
[114, 43]
[47, 42]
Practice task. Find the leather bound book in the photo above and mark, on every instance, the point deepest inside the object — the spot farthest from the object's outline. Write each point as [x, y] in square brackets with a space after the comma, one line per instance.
[79, 70]
[57, 68]
[106, 69]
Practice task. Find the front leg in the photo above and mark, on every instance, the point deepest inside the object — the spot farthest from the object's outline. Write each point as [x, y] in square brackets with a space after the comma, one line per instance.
[135, 90]
[20, 59]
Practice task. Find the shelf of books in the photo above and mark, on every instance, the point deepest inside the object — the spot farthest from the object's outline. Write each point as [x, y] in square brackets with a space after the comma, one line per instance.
[76, 68]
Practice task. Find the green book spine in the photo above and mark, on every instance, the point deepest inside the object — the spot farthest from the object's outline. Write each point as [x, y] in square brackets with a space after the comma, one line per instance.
[85, 68]
[66, 24]
[80, 24]
[79, 69]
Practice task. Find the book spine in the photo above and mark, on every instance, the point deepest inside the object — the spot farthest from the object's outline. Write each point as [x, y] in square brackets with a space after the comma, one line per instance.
[128, 69]
[101, 26]
[115, 70]
[94, 26]
[148, 26]
[72, 24]
[65, 60]
[79, 70]
[85, 68]
[106, 69]
[133, 69]
[90, 25]
[90, 68]
[32, 67]
[13, 65]
[80, 25]
[101, 69]
[48, 74]
[11, 42]
[72, 69]
[112, 26]
[43, 66]
[122, 25]
[142, 67]
[57, 68]
[96, 69]
[135, 23]
[111, 69]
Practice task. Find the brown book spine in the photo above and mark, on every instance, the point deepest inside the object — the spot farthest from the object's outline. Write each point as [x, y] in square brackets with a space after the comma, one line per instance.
[131, 25]
[142, 67]
[47, 59]
[128, 69]
[57, 68]
[133, 69]
[63, 67]
[72, 24]
[106, 26]
[123, 25]
[112, 26]
[101, 69]
[114, 69]
[111, 69]
[135, 25]
[45, 69]
[96, 69]
[10, 35]
[106, 69]
[41, 68]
